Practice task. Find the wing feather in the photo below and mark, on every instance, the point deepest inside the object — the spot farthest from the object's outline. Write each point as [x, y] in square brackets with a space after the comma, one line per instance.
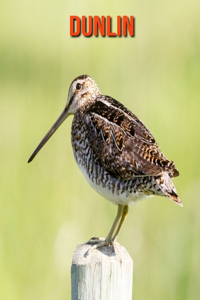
[122, 144]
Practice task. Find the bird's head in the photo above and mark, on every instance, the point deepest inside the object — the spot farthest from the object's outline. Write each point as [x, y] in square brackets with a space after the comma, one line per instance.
[82, 92]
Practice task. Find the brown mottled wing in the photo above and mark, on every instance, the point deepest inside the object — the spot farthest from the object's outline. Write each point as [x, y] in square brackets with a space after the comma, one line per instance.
[122, 144]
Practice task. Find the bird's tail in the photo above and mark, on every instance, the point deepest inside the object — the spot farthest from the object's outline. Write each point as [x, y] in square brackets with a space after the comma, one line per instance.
[166, 185]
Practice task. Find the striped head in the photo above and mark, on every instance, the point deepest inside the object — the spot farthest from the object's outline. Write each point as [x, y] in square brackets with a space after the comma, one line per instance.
[82, 92]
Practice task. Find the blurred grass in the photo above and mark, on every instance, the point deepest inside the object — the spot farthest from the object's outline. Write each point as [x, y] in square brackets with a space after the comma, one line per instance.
[47, 207]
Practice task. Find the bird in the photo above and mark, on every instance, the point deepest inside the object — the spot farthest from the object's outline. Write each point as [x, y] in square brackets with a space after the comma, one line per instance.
[116, 152]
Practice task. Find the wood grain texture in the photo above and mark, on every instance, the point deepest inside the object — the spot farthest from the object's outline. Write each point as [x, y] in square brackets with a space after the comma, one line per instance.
[105, 274]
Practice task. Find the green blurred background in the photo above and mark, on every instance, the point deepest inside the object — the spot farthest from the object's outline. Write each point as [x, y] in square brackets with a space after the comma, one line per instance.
[47, 207]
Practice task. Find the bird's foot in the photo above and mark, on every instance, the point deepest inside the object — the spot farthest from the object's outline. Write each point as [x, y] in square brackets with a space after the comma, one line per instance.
[95, 240]
[98, 243]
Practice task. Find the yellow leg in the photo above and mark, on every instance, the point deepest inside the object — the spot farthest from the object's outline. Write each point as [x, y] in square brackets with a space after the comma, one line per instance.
[123, 218]
[108, 239]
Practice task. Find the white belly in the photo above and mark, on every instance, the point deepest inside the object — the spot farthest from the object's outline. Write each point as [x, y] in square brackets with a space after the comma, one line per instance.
[115, 195]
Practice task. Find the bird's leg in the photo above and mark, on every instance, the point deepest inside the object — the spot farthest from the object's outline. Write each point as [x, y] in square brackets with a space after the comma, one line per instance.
[123, 218]
[108, 239]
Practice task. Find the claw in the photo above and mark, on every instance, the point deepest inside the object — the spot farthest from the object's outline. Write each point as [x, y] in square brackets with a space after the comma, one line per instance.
[103, 243]
[95, 240]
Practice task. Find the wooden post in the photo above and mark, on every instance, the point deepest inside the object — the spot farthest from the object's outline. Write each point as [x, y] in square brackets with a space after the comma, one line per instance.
[105, 274]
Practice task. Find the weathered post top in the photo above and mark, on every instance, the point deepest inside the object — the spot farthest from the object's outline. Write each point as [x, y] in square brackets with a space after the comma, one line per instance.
[105, 274]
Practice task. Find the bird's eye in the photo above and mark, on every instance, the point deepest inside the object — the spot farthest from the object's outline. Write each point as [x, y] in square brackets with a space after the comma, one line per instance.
[78, 86]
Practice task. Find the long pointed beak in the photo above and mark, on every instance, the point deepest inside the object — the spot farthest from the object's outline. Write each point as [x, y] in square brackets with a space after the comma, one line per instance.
[55, 126]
